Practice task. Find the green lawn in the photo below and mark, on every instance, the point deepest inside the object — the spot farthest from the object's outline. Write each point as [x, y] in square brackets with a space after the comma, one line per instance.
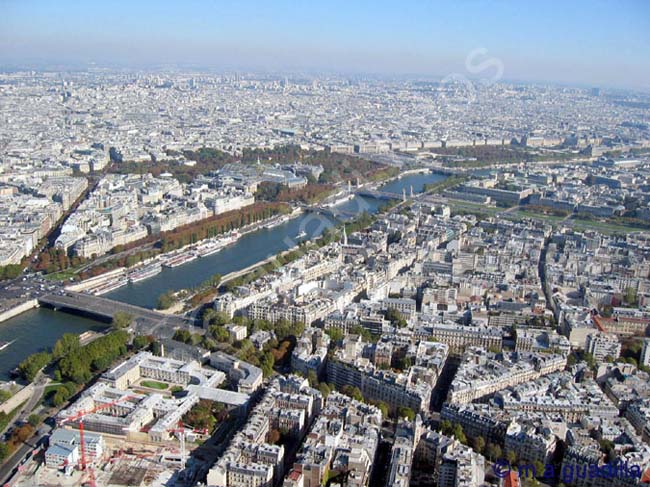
[577, 223]
[152, 384]
[61, 275]
[604, 227]
[473, 207]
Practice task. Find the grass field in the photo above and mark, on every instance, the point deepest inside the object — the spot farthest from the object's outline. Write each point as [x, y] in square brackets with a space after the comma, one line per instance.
[152, 384]
[573, 222]
[473, 207]
[61, 276]
[604, 227]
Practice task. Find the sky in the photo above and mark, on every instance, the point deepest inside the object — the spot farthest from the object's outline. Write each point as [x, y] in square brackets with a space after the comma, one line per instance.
[588, 42]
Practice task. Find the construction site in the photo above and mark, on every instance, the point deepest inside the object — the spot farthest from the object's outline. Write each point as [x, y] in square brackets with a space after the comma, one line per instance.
[119, 466]
[131, 428]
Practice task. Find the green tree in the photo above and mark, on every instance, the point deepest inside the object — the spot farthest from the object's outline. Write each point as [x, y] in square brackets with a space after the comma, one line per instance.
[10, 271]
[68, 343]
[80, 365]
[446, 428]
[459, 434]
[183, 336]
[493, 451]
[511, 456]
[219, 318]
[34, 420]
[362, 332]
[167, 300]
[383, 407]
[336, 334]
[324, 389]
[353, 392]
[478, 444]
[284, 329]
[312, 378]
[121, 319]
[395, 318]
[589, 358]
[60, 397]
[142, 341]
[219, 333]
[29, 367]
[405, 412]
[203, 415]
[403, 363]
[209, 343]
[357, 394]
[212, 317]
[267, 363]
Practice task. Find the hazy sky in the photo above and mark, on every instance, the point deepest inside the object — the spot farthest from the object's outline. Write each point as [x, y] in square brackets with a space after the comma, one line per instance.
[582, 41]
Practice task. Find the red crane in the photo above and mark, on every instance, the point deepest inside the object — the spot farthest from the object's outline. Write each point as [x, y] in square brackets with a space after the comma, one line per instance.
[79, 417]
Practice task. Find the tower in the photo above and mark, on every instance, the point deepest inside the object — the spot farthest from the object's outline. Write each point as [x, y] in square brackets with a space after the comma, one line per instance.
[345, 236]
[404, 195]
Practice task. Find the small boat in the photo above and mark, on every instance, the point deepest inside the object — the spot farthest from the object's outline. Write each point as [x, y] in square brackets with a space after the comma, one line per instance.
[302, 234]
[4, 345]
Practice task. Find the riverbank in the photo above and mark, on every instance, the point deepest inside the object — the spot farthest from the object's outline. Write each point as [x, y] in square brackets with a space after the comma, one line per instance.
[39, 328]
[35, 330]
[18, 310]
[117, 278]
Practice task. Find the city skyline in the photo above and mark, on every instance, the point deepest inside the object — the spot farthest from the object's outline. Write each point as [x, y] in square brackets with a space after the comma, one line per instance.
[586, 43]
[287, 244]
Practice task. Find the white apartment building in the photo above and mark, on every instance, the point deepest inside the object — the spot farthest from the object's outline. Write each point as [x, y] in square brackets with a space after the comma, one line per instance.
[603, 345]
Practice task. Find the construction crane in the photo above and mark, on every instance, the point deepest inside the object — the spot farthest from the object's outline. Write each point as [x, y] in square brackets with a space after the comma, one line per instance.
[181, 431]
[78, 417]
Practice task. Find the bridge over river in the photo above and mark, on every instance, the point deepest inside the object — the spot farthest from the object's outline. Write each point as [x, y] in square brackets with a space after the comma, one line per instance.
[104, 309]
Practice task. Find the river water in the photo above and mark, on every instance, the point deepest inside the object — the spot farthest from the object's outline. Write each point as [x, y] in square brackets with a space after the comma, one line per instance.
[38, 329]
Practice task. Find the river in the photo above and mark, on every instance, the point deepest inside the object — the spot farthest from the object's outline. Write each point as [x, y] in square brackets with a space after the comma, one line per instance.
[39, 329]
